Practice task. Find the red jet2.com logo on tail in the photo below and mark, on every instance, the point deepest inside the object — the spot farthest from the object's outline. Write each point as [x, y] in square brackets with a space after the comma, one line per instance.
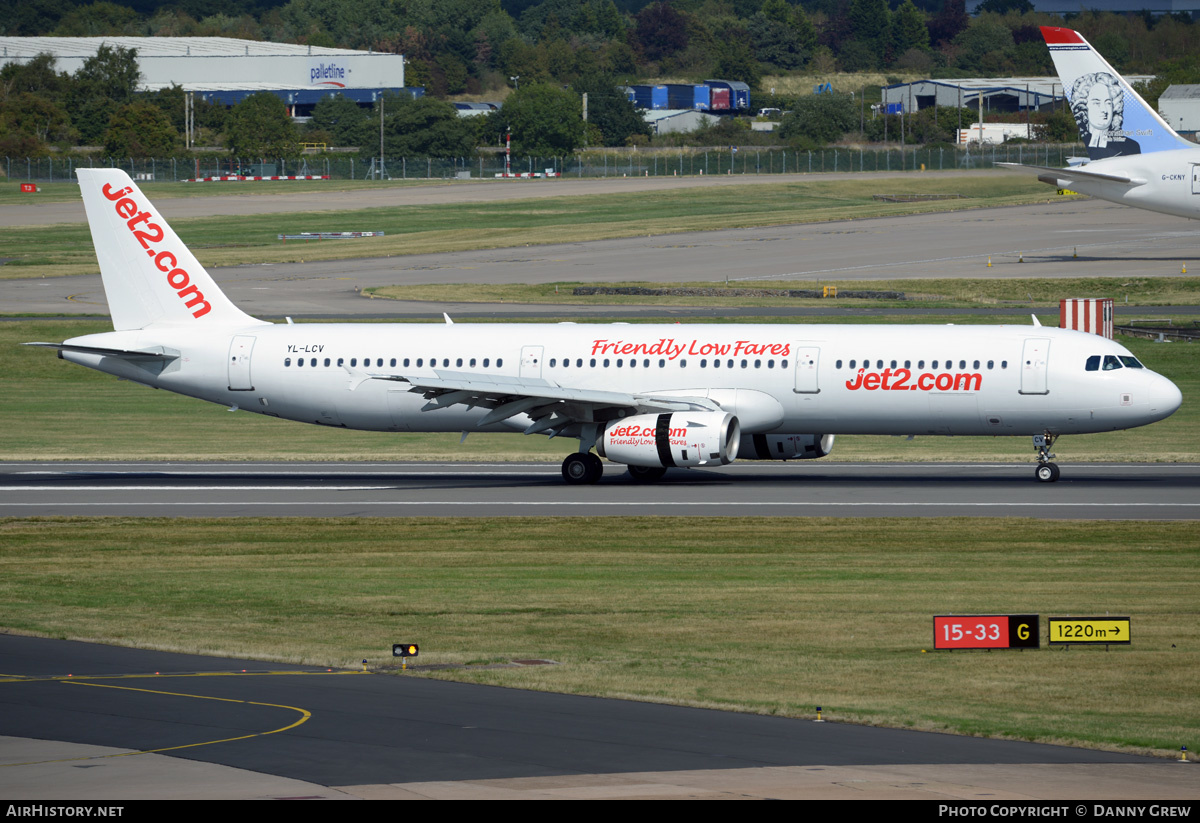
[164, 261]
[897, 380]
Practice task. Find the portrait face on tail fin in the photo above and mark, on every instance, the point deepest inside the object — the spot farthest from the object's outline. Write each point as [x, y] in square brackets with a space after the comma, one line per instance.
[1098, 104]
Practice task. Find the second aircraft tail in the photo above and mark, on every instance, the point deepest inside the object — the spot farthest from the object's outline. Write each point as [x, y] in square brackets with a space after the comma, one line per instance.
[1113, 119]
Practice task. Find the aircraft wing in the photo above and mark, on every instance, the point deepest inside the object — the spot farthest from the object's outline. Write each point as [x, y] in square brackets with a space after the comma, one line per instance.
[551, 406]
[1073, 173]
[155, 353]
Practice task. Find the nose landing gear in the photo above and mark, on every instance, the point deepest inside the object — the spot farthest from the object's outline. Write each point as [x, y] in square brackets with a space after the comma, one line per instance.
[1046, 471]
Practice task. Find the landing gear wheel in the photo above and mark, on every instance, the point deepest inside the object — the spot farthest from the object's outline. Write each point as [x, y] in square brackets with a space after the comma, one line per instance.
[582, 468]
[646, 474]
[1047, 472]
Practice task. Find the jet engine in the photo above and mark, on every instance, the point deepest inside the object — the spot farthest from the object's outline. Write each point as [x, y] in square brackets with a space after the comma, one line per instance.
[785, 446]
[681, 439]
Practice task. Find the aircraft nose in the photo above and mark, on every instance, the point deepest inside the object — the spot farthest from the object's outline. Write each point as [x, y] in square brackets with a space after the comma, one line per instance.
[1165, 397]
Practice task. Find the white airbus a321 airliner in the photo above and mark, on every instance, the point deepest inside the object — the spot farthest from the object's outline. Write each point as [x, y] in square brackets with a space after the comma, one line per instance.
[650, 397]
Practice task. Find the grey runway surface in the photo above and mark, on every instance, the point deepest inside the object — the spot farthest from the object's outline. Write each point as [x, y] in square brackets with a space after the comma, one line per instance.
[1157, 491]
[1110, 241]
[371, 735]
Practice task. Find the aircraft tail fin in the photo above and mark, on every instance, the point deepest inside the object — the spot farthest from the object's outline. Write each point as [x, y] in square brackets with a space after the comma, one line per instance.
[150, 277]
[1113, 119]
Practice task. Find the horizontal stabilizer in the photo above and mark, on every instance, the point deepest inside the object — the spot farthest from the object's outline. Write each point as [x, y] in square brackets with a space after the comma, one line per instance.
[155, 353]
[1074, 173]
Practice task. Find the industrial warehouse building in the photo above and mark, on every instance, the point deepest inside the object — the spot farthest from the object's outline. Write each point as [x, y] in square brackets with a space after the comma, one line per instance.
[998, 94]
[1180, 107]
[226, 70]
[670, 121]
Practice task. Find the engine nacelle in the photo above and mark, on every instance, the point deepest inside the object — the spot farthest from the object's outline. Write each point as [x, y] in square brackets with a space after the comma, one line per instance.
[672, 439]
[785, 446]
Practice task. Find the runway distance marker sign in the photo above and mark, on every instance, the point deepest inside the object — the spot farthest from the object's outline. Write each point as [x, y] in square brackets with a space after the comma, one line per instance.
[1090, 630]
[986, 631]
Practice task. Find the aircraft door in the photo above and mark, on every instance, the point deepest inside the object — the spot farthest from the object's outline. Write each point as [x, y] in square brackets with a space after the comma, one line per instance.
[1035, 358]
[531, 361]
[807, 360]
[1195, 178]
[239, 363]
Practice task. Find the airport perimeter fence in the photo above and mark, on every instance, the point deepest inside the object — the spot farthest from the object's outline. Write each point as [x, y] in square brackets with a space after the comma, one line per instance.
[743, 160]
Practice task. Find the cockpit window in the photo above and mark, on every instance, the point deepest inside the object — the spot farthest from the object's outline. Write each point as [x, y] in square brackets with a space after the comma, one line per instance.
[1131, 362]
[1093, 363]
[1111, 362]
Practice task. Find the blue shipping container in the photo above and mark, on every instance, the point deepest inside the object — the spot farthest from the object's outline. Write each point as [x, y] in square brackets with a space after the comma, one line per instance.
[650, 97]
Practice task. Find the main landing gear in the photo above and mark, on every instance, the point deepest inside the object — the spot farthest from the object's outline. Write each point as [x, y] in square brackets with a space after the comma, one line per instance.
[582, 468]
[1046, 472]
[646, 474]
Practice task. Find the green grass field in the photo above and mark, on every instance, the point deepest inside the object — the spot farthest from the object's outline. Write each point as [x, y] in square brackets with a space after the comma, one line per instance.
[227, 241]
[774, 616]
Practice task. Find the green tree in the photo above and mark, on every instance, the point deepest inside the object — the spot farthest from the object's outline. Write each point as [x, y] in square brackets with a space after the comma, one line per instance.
[111, 72]
[776, 42]
[259, 126]
[30, 18]
[819, 119]
[28, 123]
[609, 111]
[349, 124]
[425, 127]
[987, 46]
[777, 10]
[1005, 6]
[949, 21]
[1058, 127]
[805, 31]
[351, 23]
[104, 82]
[661, 31]
[98, 19]
[870, 22]
[545, 120]
[37, 76]
[140, 129]
[908, 29]
[735, 61]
